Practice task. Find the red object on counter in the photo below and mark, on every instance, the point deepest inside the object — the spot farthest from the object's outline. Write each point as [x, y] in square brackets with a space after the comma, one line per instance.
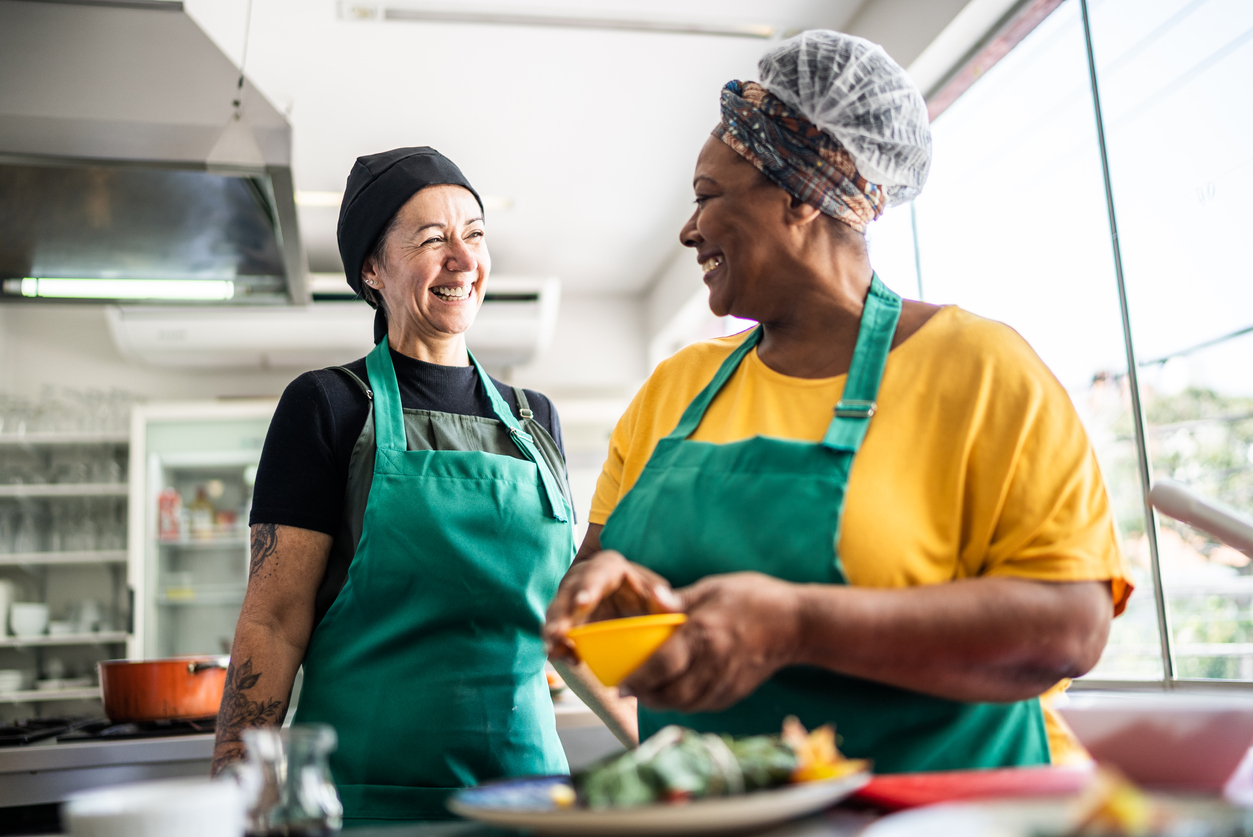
[897, 791]
[175, 689]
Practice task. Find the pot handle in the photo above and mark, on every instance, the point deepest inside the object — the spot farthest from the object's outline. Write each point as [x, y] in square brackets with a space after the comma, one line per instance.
[208, 665]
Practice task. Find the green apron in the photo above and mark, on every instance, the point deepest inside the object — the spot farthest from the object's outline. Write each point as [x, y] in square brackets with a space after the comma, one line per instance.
[429, 663]
[774, 506]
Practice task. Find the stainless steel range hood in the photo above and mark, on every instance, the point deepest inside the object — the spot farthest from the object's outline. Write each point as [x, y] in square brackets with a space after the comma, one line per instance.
[124, 173]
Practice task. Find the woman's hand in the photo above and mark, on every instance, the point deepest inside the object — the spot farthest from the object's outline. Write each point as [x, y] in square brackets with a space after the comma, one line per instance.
[604, 586]
[741, 628]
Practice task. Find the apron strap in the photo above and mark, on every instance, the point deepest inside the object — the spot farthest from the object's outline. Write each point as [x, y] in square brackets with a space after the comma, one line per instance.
[874, 341]
[696, 410]
[389, 417]
[857, 405]
[524, 406]
[558, 508]
[365, 388]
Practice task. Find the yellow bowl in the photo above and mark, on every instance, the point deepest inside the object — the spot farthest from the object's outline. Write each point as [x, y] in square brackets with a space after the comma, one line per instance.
[614, 648]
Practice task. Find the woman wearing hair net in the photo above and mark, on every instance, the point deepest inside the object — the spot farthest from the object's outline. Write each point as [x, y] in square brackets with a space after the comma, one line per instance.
[875, 512]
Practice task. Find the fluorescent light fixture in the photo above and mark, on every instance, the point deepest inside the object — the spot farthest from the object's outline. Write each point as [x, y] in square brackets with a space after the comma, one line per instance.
[491, 203]
[355, 10]
[179, 289]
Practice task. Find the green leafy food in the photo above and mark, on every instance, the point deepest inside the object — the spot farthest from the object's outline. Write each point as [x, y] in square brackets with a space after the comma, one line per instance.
[677, 764]
[765, 760]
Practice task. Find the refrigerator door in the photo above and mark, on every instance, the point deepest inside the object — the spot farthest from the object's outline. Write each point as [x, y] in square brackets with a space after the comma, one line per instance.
[198, 463]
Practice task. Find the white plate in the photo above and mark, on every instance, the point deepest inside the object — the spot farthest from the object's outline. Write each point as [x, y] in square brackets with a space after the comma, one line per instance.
[1002, 818]
[525, 804]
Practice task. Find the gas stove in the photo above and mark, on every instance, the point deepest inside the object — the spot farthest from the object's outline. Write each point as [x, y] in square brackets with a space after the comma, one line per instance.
[17, 733]
[74, 730]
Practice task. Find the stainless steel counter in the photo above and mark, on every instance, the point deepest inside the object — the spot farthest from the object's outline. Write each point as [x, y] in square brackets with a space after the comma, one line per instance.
[48, 772]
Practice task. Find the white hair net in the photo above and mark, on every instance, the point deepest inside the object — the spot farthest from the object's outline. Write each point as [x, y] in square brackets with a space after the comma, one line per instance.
[851, 89]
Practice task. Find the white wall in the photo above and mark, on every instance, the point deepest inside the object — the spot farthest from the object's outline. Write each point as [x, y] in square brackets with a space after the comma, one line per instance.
[70, 346]
[598, 346]
[903, 27]
[596, 361]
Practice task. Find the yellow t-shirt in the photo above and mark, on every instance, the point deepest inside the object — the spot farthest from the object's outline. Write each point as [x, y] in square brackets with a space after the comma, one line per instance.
[975, 463]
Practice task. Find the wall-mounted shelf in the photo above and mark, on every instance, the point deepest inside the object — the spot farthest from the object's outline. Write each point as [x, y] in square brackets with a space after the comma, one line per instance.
[42, 695]
[94, 556]
[50, 439]
[191, 596]
[82, 489]
[207, 543]
[46, 640]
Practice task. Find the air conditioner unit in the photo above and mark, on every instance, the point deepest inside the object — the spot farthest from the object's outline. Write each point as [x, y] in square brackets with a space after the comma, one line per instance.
[515, 324]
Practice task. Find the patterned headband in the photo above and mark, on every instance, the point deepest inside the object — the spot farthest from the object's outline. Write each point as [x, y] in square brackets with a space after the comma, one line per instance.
[805, 161]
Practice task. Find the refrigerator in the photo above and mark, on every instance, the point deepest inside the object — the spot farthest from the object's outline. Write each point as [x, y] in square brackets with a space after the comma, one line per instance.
[193, 467]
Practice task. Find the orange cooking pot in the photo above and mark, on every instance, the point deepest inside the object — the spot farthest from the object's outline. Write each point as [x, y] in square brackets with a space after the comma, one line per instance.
[175, 689]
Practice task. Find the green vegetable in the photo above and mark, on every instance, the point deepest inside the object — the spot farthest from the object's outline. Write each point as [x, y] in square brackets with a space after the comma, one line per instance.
[766, 761]
[678, 763]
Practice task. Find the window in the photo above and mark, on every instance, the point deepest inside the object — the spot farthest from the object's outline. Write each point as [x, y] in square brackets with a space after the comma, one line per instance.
[1013, 225]
[1174, 77]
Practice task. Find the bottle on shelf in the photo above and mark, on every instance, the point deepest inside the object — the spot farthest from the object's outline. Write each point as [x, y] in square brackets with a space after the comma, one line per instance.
[200, 515]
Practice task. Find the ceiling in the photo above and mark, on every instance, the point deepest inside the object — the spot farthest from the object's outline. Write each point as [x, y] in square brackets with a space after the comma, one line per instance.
[590, 134]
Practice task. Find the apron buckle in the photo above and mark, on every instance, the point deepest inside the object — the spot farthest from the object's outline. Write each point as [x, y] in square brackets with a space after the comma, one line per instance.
[854, 408]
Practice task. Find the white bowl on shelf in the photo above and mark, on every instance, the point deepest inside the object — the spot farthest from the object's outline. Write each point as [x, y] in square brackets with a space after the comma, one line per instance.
[60, 627]
[28, 619]
[11, 680]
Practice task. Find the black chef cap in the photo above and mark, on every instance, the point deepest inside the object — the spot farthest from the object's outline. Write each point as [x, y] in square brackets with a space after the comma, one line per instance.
[378, 186]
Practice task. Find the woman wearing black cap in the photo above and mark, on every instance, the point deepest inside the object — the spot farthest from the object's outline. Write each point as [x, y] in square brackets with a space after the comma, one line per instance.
[410, 522]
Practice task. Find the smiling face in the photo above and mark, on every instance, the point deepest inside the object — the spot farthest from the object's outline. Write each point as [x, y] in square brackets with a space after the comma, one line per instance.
[434, 267]
[739, 232]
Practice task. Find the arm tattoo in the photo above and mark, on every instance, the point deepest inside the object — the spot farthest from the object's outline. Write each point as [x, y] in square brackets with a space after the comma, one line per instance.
[238, 713]
[264, 545]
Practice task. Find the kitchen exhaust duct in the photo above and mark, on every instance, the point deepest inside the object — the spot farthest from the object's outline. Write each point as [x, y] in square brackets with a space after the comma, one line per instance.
[126, 172]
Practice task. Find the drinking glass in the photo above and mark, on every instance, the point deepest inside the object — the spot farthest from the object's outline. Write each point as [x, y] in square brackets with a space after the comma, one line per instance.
[26, 534]
[289, 773]
[6, 530]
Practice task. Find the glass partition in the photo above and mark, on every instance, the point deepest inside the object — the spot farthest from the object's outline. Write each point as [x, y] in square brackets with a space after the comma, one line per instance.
[1012, 225]
[1174, 81]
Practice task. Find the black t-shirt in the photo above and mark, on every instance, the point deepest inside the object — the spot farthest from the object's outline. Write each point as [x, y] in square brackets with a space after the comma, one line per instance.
[303, 473]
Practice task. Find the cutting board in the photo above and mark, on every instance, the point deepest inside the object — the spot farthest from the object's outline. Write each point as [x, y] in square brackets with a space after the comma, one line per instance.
[897, 791]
